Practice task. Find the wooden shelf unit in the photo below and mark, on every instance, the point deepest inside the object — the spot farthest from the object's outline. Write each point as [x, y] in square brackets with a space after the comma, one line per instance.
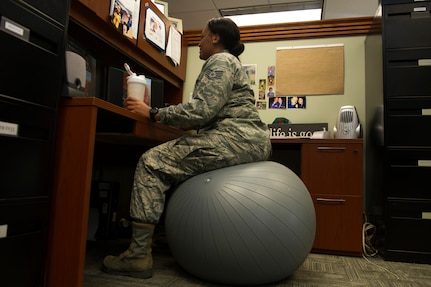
[90, 25]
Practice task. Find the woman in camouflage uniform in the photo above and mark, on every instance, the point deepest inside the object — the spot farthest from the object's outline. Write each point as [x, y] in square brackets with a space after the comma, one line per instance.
[229, 132]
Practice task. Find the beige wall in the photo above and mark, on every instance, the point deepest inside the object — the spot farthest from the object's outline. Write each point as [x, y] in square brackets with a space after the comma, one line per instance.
[320, 109]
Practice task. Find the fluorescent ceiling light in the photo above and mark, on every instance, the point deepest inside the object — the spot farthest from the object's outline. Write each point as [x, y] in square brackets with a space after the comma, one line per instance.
[306, 10]
[277, 17]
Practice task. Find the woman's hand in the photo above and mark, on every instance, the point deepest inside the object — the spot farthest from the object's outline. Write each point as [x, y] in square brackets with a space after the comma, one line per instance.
[137, 106]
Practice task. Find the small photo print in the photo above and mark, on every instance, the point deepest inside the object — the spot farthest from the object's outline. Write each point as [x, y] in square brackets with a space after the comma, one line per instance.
[296, 102]
[261, 105]
[262, 84]
[251, 70]
[261, 94]
[124, 16]
[277, 103]
[271, 92]
[271, 75]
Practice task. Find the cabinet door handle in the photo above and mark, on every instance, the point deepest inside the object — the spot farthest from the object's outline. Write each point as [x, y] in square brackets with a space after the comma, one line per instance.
[336, 148]
[330, 200]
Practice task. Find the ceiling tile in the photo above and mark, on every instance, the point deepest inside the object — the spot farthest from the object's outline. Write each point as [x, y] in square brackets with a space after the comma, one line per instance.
[190, 5]
[220, 4]
[333, 9]
[290, 1]
[195, 20]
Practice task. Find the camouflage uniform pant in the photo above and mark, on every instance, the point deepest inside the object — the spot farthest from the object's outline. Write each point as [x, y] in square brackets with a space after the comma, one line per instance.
[171, 163]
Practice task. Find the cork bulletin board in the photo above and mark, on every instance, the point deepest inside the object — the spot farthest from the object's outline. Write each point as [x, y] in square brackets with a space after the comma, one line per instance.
[310, 70]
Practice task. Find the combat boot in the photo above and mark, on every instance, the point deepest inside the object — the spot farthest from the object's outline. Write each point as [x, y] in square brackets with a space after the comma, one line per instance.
[136, 261]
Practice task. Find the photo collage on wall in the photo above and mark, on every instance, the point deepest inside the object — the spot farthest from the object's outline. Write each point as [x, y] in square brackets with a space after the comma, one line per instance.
[267, 97]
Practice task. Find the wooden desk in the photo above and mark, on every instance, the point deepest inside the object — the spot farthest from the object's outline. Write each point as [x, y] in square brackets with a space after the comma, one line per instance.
[82, 122]
[332, 170]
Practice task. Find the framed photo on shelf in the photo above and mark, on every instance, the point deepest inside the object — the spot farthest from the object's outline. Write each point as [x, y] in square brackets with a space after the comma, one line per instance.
[177, 23]
[162, 6]
[124, 16]
[155, 29]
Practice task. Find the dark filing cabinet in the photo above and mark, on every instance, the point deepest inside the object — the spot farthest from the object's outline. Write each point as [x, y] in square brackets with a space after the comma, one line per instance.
[407, 106]
[32, 37]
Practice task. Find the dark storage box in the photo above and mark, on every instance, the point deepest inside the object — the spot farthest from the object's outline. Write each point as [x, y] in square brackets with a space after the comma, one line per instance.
[31, 67]
[407, 122]
[23, 242]
[26, 163]
[408, 172]
[408, 72]
[408, 231]
[407, 25]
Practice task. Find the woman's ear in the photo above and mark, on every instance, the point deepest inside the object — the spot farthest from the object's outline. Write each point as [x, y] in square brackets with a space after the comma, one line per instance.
[216, 38]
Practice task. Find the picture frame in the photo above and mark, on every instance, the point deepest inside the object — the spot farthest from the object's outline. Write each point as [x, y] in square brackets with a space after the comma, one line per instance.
[251, 71]
[297, 102]
[124, 16]
[177, 23]
[155, 29]
[163, 6]
[277, 102]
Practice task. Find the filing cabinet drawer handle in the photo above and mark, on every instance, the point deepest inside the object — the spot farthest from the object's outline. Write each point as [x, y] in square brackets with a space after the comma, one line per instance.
[323, 148]
[330, 200]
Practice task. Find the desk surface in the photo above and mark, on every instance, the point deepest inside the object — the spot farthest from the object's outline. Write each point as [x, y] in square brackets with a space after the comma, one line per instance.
[318, 141]
[116, 124]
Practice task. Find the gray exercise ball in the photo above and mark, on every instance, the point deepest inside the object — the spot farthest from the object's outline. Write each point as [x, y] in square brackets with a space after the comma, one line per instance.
[242, 225]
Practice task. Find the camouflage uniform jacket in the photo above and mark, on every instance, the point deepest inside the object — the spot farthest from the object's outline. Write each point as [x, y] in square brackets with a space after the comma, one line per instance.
[222, 101]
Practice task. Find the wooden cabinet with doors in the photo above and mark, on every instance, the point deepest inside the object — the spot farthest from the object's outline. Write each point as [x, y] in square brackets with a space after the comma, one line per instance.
[332, 172]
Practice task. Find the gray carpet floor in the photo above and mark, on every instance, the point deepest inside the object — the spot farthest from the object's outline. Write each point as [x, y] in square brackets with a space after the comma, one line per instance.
[318, 270]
